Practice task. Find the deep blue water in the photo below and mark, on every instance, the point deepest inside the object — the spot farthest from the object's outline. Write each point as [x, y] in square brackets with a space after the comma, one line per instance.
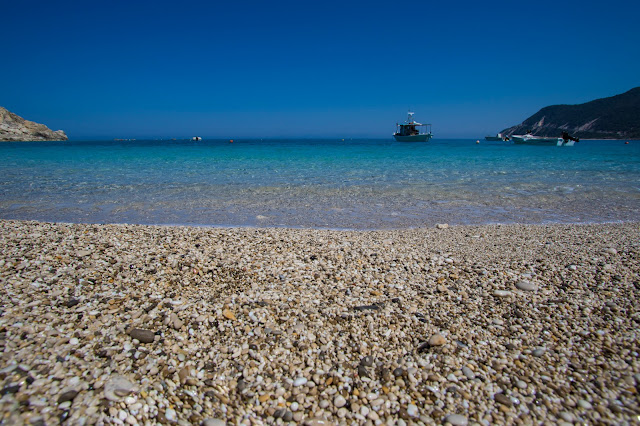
[352, 184]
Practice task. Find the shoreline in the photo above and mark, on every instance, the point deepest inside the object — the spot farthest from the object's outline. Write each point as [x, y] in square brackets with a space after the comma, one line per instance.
[488, 324]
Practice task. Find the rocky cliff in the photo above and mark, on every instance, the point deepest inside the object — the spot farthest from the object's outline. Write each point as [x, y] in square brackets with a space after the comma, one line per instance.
[16, 128]
[616, 117]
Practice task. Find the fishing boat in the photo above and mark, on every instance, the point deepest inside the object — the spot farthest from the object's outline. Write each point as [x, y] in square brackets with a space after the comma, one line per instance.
[498, 137]
[530, 139]
[412, 131]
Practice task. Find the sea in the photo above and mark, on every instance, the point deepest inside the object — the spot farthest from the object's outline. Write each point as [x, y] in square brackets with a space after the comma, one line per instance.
[344, 184]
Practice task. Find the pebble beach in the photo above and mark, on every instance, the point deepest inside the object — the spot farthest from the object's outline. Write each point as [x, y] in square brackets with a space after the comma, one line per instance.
[492, 324]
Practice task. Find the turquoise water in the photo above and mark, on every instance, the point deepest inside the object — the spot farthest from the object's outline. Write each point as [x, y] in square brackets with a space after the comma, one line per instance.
[351, 184]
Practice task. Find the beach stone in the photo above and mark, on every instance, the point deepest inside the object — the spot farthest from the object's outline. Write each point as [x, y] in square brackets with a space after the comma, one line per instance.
[538, 352]
[118, 387]
[175, 322]
[300, 381]
[184, 374]
[502, 293]
[228, 314]
[367, 361]
[71, 303]
[144, 336]
[526, 286]
[437, 340]
[339, 401]
[585, 404]
[171, 415]
[503, 399]
[412, 410]
[567, 416]
[317, 421]
[456, 419]
[67, 396]
[468, 373]
[442, 225]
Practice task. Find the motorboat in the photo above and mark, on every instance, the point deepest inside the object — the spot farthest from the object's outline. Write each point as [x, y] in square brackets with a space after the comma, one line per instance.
[412, 131]
[196, 138]
[498, 137]
[530, 139]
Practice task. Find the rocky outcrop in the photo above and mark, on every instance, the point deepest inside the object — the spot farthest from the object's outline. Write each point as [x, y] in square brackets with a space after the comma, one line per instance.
[616, 117]
[15, 128]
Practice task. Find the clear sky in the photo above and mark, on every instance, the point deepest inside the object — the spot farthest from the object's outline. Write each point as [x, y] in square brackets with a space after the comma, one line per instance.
[160, 69]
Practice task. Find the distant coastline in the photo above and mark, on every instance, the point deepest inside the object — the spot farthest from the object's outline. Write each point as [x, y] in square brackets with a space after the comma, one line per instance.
[616, 117]
[14, 128]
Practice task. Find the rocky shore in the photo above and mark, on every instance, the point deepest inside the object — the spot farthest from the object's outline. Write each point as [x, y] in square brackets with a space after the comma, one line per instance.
[16, 129]
[124, 324]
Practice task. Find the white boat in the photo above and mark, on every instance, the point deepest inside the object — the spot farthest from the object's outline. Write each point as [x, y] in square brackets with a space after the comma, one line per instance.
[498, 137]
[410, 131]
[530, 139]
[196, 138]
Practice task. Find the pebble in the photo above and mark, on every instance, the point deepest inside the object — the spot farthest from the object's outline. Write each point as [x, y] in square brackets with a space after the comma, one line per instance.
[503, 399]
[143, 336]
[213, 422]
[412, 410]
[567, 416]
[117, 387]
[339, 401]
[585, 404]
[468, 373]
[437, 340]
[456, 419]
[67, 396]
[171, 415]
[526, 286]
[300, 381]
[538, 352]
[502, 293]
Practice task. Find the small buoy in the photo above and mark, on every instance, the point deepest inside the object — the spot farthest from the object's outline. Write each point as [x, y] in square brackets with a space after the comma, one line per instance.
[477, 141]
[626, 143]
[230, 140]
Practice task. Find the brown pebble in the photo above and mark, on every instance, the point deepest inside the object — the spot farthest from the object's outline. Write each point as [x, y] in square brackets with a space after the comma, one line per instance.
[144, 336]
[67, 396]
[503, 399]
[437, 340]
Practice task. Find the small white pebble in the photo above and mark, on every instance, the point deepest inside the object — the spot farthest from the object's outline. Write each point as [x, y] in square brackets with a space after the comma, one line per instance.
[300, 381]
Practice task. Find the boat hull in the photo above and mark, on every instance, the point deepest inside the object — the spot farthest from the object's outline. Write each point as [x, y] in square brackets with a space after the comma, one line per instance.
[413, 138]
[526, 140]
[492, 138]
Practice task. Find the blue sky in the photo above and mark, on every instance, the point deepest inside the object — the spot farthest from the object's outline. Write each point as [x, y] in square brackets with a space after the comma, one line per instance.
[160, 69]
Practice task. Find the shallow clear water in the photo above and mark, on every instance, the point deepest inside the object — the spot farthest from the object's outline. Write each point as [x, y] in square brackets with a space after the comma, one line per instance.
[352, 184]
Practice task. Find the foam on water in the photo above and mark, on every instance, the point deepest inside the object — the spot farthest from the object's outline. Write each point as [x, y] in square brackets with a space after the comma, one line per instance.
[360, 184]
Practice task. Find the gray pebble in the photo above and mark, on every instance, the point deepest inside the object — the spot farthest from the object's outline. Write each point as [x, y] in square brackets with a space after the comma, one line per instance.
[456, 419]
[538, 352]
[526, 286]
[468, 373]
